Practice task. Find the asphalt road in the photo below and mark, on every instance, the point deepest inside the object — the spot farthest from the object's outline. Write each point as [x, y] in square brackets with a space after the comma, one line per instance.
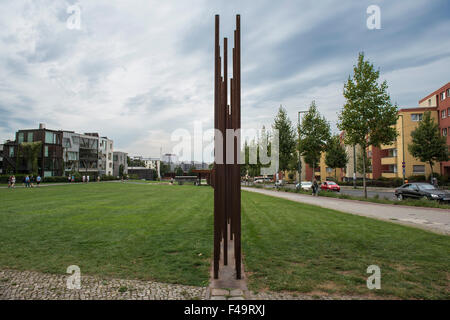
[432, 219]
[388, 193]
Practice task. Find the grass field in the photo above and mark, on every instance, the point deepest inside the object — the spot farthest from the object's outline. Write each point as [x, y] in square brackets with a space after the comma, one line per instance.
[164, 233]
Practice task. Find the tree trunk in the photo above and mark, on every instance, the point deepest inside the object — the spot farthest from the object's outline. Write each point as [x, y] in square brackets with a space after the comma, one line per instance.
[335, 174]
[364, 173]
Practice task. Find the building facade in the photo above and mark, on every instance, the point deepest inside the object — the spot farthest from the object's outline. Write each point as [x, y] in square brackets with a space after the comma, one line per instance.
[440, 99]
[120, 158]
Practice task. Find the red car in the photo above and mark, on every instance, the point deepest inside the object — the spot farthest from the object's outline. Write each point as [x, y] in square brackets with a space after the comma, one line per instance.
[330, 186]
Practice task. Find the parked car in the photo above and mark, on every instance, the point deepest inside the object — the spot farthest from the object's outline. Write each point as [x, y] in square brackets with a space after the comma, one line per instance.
[421, 190]
[330, 186]
[306, 185]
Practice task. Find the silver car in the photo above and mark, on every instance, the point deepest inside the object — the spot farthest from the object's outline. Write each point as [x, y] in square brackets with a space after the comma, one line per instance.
[306, 185]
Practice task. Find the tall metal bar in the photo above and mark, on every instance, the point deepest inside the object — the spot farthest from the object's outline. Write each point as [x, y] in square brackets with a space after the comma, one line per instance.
[227, 182]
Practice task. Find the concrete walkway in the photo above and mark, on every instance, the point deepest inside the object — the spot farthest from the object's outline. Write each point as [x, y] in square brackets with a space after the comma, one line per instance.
[432, 219]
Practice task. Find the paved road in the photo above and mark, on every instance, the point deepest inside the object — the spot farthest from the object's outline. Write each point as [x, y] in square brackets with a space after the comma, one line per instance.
[371, 192]
[436, 220]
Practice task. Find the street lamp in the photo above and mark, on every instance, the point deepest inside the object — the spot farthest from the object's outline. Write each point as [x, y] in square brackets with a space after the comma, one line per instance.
[299, 159]
[403, 149]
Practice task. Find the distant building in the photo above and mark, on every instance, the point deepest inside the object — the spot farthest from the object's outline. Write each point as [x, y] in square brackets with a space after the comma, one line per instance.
[120, 158]
[61, 152]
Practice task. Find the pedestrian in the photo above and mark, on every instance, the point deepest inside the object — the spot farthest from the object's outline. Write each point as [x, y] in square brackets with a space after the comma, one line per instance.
[13, 181]
[98, 178]
[69, 179]
[73, 178]
[87, 180]
[9, 181]
[84, 179]
[27, 181]
[38, 180]
[31, 181]
[315, 187]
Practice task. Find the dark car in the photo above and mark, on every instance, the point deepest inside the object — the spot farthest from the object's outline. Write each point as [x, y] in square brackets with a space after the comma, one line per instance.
[421, 191]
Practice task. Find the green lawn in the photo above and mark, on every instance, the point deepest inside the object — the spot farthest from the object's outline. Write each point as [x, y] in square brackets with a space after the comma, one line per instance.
[112, 229]
[164, 233]
[298, 247]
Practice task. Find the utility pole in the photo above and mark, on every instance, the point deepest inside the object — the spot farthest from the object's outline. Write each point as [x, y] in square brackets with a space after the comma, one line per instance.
[354, 166]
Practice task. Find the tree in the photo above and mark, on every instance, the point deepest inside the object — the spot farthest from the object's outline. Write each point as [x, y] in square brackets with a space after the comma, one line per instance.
[427, 143]
[121, 169]
[287, 138]
[314, 133]
[179, 171]
[361, 163]
[164, 169]
[336, 156]
[368, 116]
[30, 152]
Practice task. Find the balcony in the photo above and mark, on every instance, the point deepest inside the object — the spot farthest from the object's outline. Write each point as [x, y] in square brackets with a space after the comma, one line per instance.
[388, 160]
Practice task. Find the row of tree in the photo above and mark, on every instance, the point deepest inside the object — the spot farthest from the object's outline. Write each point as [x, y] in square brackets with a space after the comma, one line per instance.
[368, 118]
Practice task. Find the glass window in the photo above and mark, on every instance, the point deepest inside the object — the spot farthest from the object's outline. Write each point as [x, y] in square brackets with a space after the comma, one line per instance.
[11, 151]
[416, 116]
[443, 114]
[49, 137]
[448, 93]
[30, 137]
[444, 132]
[46, 151]
[419, 169]
[20, 137]
[76, 140]
[429, 102]
[442, 96]
[329, 170]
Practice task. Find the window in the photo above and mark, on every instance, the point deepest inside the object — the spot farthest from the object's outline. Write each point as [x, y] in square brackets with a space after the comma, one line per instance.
[429, 102]
[442, 95]
[448, 93]
[443, 114]
[444, 132]
[46, 151]
[76, 140]
[50, 137]
[11, 151]
[392, 153]
[72, 156]
[329, 170]
[20, 137]
[416, 116]
[116, 158]
[419, 169]
[66, 143]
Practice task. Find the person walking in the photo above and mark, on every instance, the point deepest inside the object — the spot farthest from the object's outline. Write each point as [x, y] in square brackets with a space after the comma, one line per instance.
[38, 180]
[87, 179]
[13, 182]
[9, 181]
[315, 188]
[27, 181]
[84, 179]
[69, 178]
[73, 178]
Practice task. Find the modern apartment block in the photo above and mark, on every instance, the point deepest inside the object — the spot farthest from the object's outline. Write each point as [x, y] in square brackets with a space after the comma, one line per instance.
[440, 99]
[119, 158]
[61, 153]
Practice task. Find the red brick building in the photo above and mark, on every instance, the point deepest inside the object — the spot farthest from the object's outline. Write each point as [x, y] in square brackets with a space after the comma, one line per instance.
[441, 100]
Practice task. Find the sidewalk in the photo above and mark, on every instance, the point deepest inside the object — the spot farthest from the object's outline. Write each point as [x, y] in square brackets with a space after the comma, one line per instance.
[431, 219]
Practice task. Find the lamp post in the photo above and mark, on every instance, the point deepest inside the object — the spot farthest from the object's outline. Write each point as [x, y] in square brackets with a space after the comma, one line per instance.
[299, 159]
[403, 150]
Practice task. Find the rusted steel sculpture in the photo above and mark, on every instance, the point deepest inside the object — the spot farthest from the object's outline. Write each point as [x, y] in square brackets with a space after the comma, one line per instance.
[226, 173]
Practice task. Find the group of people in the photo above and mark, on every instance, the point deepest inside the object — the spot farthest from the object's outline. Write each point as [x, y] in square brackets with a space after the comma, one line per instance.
[28, 181]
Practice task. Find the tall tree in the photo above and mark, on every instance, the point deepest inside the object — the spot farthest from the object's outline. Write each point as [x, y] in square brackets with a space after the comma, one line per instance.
[368, 116]
[287, 138]
[363, 163]
[314, 133]
[427, 143]
[336, 156]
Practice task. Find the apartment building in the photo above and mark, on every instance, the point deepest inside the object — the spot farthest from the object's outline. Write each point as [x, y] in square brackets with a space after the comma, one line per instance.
[120, 158]
[105, 156]
[61, 153]
[440, 99]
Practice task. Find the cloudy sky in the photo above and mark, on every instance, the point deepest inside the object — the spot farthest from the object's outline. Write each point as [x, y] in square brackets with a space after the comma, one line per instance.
[136, 70]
